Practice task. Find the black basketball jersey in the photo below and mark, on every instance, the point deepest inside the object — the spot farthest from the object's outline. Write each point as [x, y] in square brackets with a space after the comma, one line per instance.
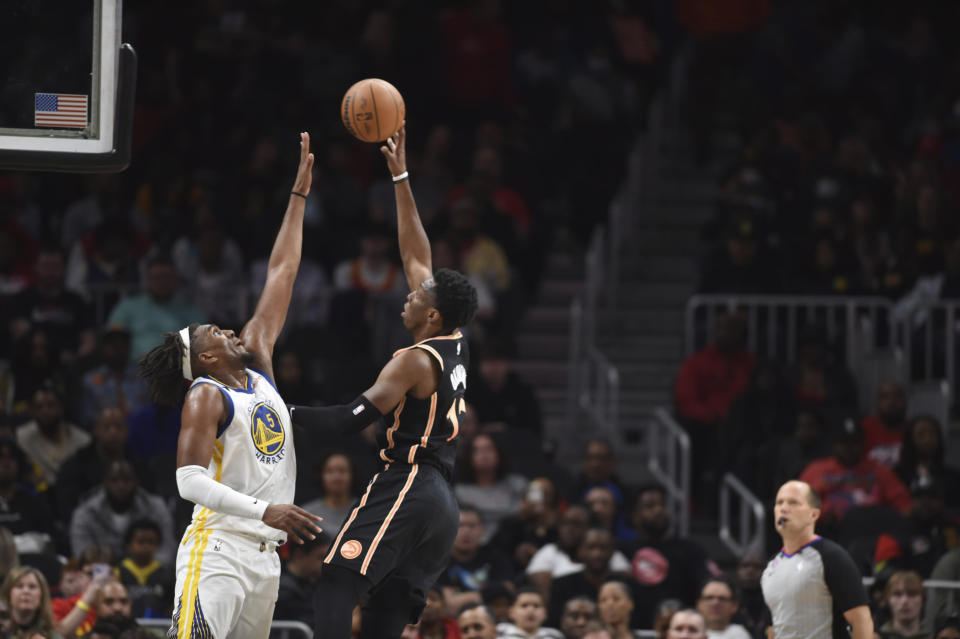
[426, 430]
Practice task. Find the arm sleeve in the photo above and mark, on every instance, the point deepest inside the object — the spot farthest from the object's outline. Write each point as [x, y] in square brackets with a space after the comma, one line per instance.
[195, 485]
[338, 420]
[842, 576]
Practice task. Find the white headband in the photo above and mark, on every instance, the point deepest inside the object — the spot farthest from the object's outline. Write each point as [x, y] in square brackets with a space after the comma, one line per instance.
[185, 362]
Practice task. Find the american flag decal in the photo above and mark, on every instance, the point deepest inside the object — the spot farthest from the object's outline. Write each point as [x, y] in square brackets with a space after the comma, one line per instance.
[60, 110]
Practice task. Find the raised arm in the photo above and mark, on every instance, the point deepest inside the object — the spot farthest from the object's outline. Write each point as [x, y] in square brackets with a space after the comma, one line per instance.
[261, 332]
[414, 244]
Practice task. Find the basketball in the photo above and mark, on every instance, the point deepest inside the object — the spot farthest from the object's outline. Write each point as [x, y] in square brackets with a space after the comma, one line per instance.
[372, 110]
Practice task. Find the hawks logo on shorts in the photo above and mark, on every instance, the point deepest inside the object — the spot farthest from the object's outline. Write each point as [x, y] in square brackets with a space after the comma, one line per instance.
[351, 549]
[267, 433]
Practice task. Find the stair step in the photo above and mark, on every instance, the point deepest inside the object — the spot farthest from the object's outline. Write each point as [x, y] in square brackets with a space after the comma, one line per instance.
[658, 268]
[644, 294]
[559, 292]
[542, 374]
[614, 326]
[544, 346]
[541, 319]
[563, 264]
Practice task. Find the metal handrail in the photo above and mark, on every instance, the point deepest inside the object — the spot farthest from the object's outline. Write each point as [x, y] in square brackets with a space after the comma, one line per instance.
[749, 505]
[285, 627]
[668, 459]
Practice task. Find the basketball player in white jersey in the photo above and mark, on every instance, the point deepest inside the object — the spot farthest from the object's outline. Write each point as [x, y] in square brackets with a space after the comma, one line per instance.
[235, 456]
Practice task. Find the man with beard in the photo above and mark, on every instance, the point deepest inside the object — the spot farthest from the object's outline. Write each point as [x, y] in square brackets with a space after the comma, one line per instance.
[114, 614]
[883, 432]
[664, 566]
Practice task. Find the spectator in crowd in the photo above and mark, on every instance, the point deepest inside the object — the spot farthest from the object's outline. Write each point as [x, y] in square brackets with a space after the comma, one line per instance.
[503, 400]
[884, 432]
[904, 598]
[605, 511]
[48, 439]
[63, 314]
[577, 613]
[949, 628]
[472, 565]
[752, 613]
[336, 481]
[149, 582]
[808, 443]
[156, 311]
[115, 382]
[300, 574]
[686, 624]
[79, 590]
[480, 255]
[594, 553]
[372, 271]
[22, 513]
[103, 518]
[85, 469]
[818, 381]
[211, 266]
[848, 479]
[486, 483]
[106, 258]
[445, 255]
[27, 597]
[718, 603]
[476, 621]
[555, 560]
[598, 467]
[943, 603]
[113, 607]
[534, 524]
[707, 384]
[664, 566]
[8, 552]
[498, 597]
[435, 623]
[739, 265]
[35, 366]
[615, 607]
[922, 457]
[527, 614]
[310, 300]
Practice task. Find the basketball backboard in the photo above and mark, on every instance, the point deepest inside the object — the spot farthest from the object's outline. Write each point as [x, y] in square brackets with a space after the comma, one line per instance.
[66, 86]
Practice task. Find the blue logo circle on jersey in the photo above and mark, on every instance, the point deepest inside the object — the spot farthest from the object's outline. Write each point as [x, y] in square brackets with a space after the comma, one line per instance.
[266, 429]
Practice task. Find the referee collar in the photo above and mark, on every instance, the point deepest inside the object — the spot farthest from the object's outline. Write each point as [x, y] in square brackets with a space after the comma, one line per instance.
[791, 554]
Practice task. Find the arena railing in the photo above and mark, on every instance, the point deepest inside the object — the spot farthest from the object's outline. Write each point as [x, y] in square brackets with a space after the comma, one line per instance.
[751, 516]
[594, 382]
[285, 629]
[927, 332]
[668, 460]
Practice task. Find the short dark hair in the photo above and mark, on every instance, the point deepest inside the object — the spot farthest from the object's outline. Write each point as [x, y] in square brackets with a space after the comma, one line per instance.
[527, 590]
[476, 604]
[467, 508]
[142, 524]
[651, 487]
[454, 297]
[731, 586]
[162, 368]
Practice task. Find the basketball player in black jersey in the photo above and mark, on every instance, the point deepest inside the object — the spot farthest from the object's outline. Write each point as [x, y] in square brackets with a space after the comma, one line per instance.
[397, 539]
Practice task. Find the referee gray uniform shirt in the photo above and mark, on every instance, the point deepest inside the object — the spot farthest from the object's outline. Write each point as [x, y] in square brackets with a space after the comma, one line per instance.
[808, 591]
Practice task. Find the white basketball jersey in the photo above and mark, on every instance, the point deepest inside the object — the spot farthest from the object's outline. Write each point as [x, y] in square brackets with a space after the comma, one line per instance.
[253, 455]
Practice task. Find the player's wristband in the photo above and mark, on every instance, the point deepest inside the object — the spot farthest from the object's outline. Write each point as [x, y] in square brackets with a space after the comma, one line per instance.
[344, 419]
[303, 195]
[397, 179]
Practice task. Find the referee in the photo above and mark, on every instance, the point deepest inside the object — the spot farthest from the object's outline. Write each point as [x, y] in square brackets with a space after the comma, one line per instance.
[812, 587]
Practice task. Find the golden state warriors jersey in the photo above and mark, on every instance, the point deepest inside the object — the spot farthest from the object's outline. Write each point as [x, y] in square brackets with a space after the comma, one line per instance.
[253, 455]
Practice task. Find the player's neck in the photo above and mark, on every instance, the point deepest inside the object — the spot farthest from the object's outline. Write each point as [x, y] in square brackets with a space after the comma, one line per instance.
[232, 378]
[793, 543]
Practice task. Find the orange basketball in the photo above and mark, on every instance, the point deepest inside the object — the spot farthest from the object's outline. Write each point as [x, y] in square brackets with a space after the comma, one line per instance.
[372, 110]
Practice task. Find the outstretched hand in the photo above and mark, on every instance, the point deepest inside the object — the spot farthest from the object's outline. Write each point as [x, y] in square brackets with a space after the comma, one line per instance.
[395, 151]
[305, 170]
[293, 520]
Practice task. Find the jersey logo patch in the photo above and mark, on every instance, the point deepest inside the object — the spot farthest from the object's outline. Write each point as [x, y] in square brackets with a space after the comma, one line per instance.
[458, 377]
[351, 549]
[267, 433]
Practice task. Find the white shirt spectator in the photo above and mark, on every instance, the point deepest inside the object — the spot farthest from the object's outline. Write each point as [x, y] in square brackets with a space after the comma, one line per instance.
[552, 559]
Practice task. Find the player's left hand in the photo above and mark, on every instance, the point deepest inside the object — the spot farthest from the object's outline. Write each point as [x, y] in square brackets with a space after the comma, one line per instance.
[305, 170]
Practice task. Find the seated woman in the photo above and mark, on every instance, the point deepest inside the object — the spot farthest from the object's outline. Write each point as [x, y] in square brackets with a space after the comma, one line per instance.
[486, 484]
[27, 597]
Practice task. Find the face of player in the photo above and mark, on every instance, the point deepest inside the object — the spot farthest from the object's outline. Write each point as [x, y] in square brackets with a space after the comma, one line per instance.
[905, 603]
[716, 604]
[614, 605]
[528, 612]
[686, 625]
[224, 345]
[476, 624]
[419, 307]
[576, 616]
[793, 510]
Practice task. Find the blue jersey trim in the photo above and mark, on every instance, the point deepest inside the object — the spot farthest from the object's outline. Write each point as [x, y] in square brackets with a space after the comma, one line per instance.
[265, 376]
[791, 554]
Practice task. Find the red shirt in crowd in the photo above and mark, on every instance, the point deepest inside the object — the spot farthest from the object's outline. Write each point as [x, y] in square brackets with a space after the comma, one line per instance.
[62, 607]
[709, 381]
[880, 443]
[866, 484]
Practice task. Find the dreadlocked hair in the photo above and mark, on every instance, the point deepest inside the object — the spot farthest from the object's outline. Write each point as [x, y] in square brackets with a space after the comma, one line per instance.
[456, 298]
[162, 368]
